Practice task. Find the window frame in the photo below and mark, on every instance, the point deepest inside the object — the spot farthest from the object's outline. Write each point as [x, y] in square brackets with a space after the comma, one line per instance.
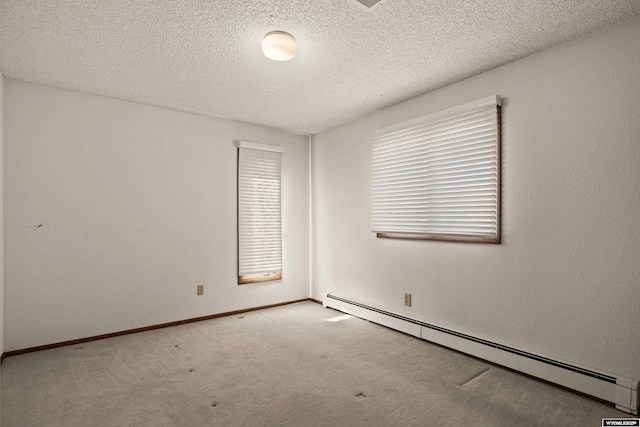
[425, 121]
[264, 276]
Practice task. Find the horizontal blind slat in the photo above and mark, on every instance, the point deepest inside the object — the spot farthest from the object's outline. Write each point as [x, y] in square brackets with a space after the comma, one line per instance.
[388, 146]
[483, 162]
[460, 121]
[438, 177]
[259, 212]
[436, 141]
[487, 143]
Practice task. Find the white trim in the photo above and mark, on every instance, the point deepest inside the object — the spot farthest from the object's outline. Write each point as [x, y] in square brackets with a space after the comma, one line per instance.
[311, 271]
[484, 102]
[258, 146]
[623, 393]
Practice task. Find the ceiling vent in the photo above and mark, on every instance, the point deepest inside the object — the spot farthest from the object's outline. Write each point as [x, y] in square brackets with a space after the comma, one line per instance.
[366, 4]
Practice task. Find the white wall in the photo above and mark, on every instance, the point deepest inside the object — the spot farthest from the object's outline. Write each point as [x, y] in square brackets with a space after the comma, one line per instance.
[137, 206]
[565, 280]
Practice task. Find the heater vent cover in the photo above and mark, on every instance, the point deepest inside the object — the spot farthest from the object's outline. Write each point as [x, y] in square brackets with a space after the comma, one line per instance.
[366, 4]
[619, 390]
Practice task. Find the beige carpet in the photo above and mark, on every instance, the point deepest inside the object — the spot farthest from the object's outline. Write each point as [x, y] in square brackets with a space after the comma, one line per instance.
[294, 365]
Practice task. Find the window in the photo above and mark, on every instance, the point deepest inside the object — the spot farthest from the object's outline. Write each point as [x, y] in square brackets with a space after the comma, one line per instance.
[438, 177]
[259, 213]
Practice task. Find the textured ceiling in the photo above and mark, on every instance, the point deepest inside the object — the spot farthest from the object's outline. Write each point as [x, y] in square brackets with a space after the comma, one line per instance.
[204, 56]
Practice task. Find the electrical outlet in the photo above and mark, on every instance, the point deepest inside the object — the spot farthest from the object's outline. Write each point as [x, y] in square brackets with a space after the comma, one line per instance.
[407, 300]
[200, 290]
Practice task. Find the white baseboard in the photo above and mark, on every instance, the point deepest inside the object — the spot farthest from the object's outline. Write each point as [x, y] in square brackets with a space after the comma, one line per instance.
[621, 391]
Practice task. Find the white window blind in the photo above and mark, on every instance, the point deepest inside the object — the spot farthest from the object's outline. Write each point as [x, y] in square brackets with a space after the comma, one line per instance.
[438, 176]
[259, 212]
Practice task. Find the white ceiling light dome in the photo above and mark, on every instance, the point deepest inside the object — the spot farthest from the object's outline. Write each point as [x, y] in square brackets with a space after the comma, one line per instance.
[279, 46]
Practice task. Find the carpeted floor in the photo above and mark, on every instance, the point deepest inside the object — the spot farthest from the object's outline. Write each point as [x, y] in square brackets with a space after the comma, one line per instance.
[294, 365]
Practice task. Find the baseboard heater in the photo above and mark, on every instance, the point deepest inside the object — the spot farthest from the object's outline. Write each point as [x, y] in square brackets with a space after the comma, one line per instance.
[623, 392]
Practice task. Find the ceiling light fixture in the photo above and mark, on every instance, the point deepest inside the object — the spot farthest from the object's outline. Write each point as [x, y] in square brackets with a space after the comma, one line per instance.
[279, 46]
